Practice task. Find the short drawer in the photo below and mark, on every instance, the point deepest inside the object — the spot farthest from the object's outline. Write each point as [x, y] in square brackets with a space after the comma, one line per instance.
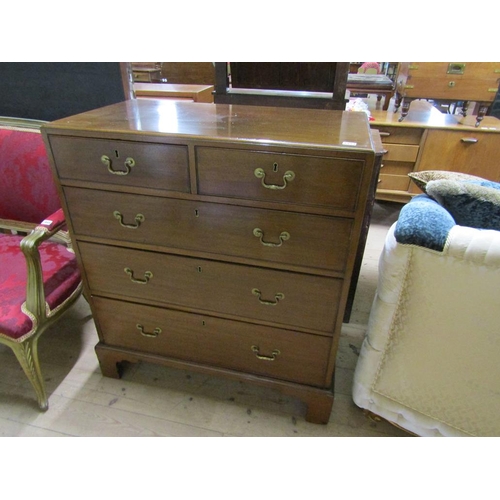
[286, 298]
[282, 354]
[393, 182]
[401, 152]
[278, 177]
[146, 76]
[396, 168]
[138, 164]
[270, 235]
[399, 135]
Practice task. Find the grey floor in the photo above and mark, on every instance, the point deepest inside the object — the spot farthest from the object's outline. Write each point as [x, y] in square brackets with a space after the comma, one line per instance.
[155, 401]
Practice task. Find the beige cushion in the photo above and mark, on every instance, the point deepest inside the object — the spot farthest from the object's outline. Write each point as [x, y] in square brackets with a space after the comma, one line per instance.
[422, 178]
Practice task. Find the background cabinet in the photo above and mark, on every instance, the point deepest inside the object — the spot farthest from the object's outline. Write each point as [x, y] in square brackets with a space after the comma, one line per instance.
[302, 85]
[313, 77]
[430, 140]
[146, 72]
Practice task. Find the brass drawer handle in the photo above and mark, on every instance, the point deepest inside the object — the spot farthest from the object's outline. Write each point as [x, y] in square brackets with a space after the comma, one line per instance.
[139, 218]
[469, 140]
[129, 163]
[279, 296]
[287, 177]
[456, 69]
[155, 333]
[147, 276]
[284, 236]
[256, 350]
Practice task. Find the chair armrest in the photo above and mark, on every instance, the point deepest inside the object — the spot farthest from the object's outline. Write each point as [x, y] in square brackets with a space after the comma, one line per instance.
[35, 294]
[423, 222]
[53, 223]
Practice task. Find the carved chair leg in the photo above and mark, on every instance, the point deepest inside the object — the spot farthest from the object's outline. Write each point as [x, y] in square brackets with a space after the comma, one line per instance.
[405, 107]
[465, 107]
[27, 355]
[483, 109]
[397, 101]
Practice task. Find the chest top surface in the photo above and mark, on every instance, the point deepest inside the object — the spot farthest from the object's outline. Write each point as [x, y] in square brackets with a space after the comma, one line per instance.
[259, 125]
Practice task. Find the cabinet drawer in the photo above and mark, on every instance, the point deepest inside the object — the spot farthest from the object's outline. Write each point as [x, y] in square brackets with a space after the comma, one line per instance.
[399, 135]
[393, 182]
[401, 152]
[292, 299]
[138, 164]
[396, 168]
[222, 343]
[470, 70]
[279, 177]
[453, 88]
[269, 235]
[146, 75]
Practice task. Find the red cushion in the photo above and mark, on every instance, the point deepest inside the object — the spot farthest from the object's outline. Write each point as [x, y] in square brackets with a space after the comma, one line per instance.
[27, 189]
[60, 275]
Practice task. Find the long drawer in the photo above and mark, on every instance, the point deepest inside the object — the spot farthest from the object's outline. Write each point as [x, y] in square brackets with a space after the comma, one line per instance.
[126, 163]
[399, 135]
[453, 88]
[255, 293]
[284, 354]
[270, 235]
[279, 177]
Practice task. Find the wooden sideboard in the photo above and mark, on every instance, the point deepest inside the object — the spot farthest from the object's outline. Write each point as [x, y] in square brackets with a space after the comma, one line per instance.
[218, 238]
[430, 140]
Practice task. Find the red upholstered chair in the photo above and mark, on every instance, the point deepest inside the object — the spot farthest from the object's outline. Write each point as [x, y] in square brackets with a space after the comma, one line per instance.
[39, 276]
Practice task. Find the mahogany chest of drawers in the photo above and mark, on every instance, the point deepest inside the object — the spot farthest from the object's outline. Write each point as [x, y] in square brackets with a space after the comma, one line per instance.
[218, 238]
